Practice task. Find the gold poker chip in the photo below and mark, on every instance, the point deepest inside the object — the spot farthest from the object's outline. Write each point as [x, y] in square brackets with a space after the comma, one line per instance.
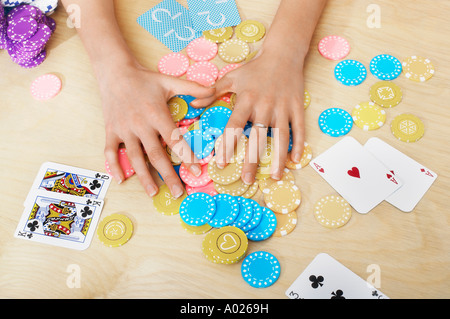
[228, 175]
[233, 51]
[282, 197]
[304, 160]
[250, 31]
[115, 230]
[234, 189]
[165, 203]
[287, 176]
[195, 230]
[368, 116]
[386, 94]
[178, 108]
[418, 68]
[226, 245]
[307, 99]
[332, 211]
[251, 190]
[407, 128]
[285, 224]
[219, 35]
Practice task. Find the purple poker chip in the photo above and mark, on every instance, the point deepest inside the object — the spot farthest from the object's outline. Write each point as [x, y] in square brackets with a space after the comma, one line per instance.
[22, 28]
[39, 39]
[25, 11]
[49, 22]
[28, 64]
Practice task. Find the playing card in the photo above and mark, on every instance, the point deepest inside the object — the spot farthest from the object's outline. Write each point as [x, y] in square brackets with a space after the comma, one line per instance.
[326, 278]
[60, 220]
[213, 14]
[356, 174]
[416, 178]
[59, 178]
[170, 23]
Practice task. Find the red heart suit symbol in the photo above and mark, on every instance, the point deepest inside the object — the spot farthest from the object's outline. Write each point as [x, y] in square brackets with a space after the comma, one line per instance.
[354, 172]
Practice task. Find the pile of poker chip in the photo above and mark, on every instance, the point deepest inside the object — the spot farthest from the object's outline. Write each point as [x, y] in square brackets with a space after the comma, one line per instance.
[24, 33]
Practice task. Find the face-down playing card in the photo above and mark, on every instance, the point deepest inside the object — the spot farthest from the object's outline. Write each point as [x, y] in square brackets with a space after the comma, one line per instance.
[326, 278]
[359, 177]
[60, 219]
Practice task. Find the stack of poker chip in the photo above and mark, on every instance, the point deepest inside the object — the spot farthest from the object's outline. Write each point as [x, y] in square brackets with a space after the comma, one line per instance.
[46, 6]
[24, 32]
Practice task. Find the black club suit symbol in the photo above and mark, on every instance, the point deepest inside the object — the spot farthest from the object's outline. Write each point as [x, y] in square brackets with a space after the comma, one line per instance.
[86, 211]
[338, 294]
[316, 281]
[33, 225]
[94, 184]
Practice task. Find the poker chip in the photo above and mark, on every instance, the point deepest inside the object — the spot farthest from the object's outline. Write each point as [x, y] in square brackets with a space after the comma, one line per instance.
[192, 113]
[204, 67]
[335, 122]
[233, 51]
[195, 230]
[201, 49]
[385, 67]
[304, 160]
[228, 68]
[226, 245]
[368, 116]
[350, 72]
[208, 189]
[386, 94]
[407, 128]
[45, 87]
[332, 211]
[234, 189]
[204, 79]
[195, 181]
[227, 209]
[418, 68]
[21, 29]
[178, 108]
[175, 64]
[251, 190]
[215, 119]
[250, 31]
[334, 47]
[115, 230]
[219, 35]
[287, 176]
[165, 203]
[266, 227]
[239, 149]
[227, 175]
[306, 100]
[245, 212]
[282, 197]
[197, 209]
[285, 224]
[260, 269]
[46, 6]
[256, 217]
[124, 163]
[200, 143]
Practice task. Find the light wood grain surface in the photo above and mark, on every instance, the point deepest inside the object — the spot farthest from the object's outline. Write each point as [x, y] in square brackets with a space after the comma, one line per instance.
[163, 261]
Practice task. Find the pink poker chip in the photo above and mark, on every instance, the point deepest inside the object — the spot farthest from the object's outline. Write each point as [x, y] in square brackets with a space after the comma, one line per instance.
[206, 160]
[227, 68]
[124, 163]
[189, 179]
[46, 87]
[208, 189]
[201, 49]
[334, 47]
[202, 79]
[175, 64]
[187, 122]
[203, 68]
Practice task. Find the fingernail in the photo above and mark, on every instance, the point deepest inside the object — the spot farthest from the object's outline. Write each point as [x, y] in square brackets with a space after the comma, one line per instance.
[276, 174]
[220, 165]
[297, 158]
[248, 178]
[177, 191]
[196, 170]
[152, 190]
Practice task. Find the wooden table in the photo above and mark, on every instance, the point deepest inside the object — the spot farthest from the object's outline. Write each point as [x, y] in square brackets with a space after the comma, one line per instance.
[162, 260]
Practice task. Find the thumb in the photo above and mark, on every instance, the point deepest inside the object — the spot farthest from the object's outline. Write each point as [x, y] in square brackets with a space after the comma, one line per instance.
[222, 87]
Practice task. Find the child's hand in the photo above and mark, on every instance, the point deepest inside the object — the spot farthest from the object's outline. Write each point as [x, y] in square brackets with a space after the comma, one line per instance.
[269, 92]
[136, 113]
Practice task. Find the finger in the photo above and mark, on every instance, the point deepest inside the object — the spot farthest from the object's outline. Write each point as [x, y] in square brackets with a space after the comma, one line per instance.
[159, 160]
[280, 139]
[111, 155]
[232, 132]
[204, 96]
[136, 157]
[256, 145]
[223, 86]
[298, 134]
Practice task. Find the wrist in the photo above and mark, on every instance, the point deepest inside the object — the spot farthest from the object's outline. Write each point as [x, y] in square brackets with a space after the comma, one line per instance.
[284, 52]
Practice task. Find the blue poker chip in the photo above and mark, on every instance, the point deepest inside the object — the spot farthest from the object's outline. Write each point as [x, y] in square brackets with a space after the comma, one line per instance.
[227, 209]
[266, 227]
[245, 212]
[215, 119]
[335, 122]
[350, 72]
[192, 112]
[386, 67]
[200, 143]
[197, 209]
[256, 218]
[260, 269]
